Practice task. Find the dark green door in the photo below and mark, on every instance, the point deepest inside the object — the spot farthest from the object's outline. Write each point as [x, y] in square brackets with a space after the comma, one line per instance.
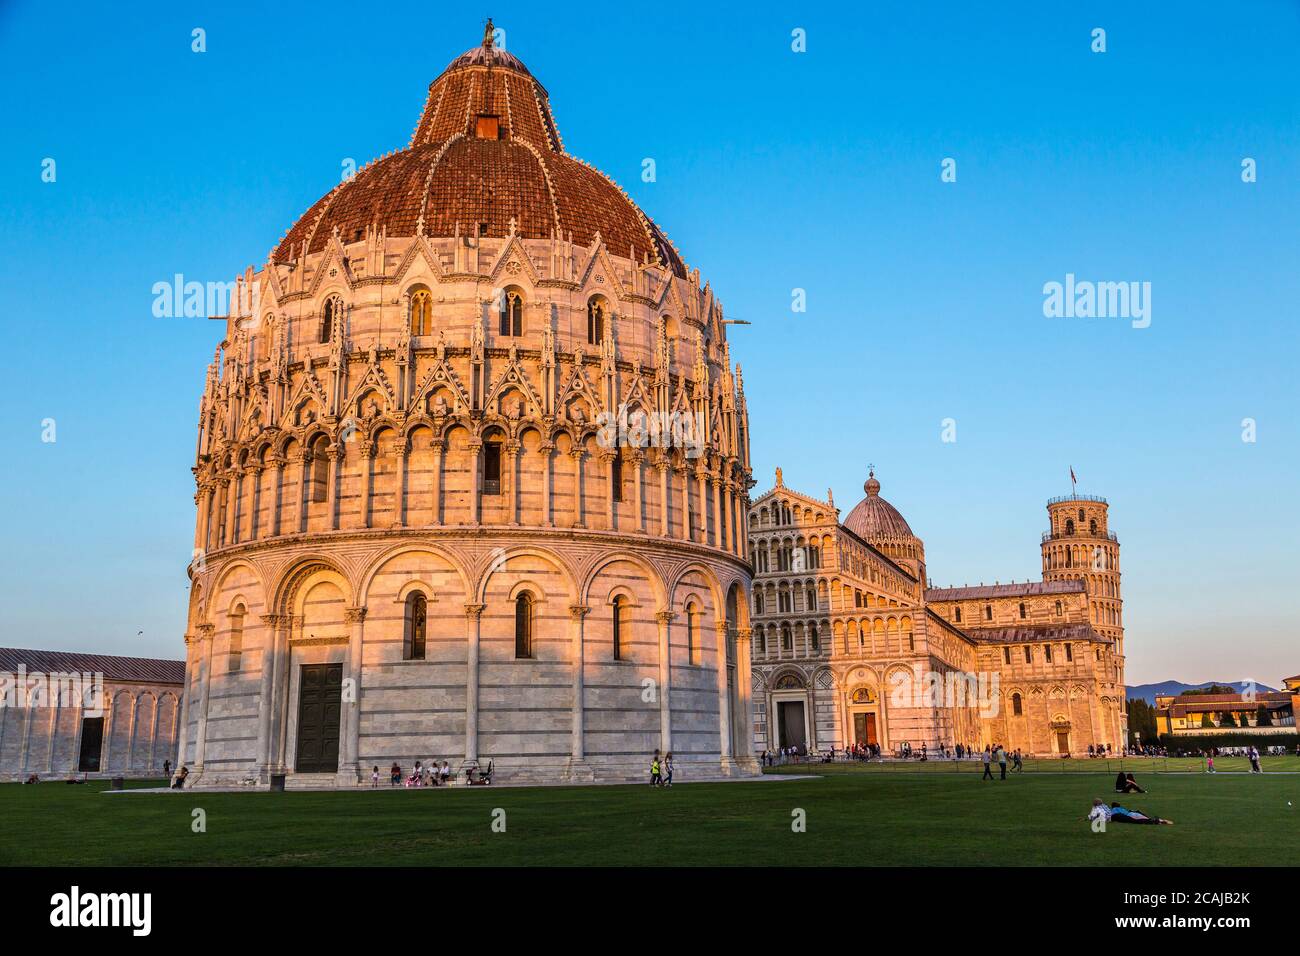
[319, 706]
[92, 743]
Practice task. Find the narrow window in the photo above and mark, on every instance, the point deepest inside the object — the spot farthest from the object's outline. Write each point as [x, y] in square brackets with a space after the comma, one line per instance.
[1016, 707]
[692, 634]
[1047, 653]
[492, 468]
[1069, 653]
[621, 629]
[1058, 608]
[511, 320]
[958, 612]
[414, 631]
[236, 639]
[1069, 526]
[616, 476]
[988, 612]
[1006, 654]
[1029, 654]
[331, 314]
[421, 313]
[813, 638]
[595, 322]
[524, 625]
[1022, 609]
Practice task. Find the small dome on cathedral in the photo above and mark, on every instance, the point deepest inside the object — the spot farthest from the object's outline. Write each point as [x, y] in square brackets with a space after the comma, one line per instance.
[874, 518]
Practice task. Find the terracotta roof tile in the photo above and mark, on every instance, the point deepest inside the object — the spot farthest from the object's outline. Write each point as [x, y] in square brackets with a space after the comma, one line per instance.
[142, 669]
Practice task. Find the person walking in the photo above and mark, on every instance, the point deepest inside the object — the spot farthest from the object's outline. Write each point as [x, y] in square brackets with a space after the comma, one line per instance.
[655, 778]
[1002, 760]
[1017, 765]
[668, 769]
[988, 765]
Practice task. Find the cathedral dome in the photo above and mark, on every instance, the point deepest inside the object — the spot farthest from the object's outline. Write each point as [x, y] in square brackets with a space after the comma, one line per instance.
[486, 159]
[874, 518]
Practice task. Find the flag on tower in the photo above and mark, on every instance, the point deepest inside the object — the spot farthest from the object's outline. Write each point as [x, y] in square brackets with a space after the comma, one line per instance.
[1073, 480]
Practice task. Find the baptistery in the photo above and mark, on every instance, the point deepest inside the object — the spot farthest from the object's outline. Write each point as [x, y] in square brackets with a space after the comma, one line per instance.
[472, 478]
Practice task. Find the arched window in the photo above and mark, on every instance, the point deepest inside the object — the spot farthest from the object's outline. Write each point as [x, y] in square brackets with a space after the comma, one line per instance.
[1017, 708]
[1022, 610]
[333, 312]
[758, 603]
[1069, 526]
[786, 642]
[417, 612]
[421, 313]
[622, 629]
[492, 467]
[236, 638]
[320, 469]
[957, 611]
[1080, 515]
[693, 633]
[1092, 526]
[511, 319]
[616, 475]
[595, 321]
[524, 625]
[814, 640]
[1058, 608]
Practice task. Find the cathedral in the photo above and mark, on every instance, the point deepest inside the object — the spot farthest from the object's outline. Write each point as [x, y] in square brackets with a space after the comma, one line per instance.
[472, 477]
[851, 646]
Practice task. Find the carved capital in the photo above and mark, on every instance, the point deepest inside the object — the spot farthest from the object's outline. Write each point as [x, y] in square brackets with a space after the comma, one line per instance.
[474, 611]
[666, 617]
[744, 634]
[438, 445]
[205, 632]
[578, 611]
[354, 615]
[275, 621]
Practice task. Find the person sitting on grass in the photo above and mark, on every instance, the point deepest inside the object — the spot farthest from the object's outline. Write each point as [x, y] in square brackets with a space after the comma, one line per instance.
[179, 783]
[1120, 814]
[1124, 783]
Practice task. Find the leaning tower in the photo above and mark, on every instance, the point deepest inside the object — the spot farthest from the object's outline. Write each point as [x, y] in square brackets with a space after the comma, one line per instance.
[1079, 546]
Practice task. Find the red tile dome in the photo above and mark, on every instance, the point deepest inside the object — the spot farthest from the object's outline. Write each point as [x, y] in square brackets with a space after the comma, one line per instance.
[486, 151]
[874, 518]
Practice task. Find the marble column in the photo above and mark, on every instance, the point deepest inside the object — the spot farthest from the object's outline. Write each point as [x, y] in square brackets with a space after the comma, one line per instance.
[745, 719]
[476, 482]
[545, 450]
[439, 446]
[665, 619]
[662, 467]
[472, 614]
[401, 448]
[191, 644]
[254, 523]
[724, 696]
[638, 461]
[279, 462]
[511, 491]
[576, 455]
[577, 615]
[349, 767]
[206, 633]
[271, 628]
[368, 453]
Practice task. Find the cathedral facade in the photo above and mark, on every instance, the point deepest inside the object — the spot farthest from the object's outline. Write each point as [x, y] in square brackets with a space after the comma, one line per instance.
[851, 646]
[472, 477]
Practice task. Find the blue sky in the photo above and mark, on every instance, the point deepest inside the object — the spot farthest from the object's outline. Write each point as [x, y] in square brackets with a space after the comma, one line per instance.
[775, 170]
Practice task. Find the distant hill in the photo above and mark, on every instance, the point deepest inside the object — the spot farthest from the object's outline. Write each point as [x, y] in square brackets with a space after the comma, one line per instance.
[1148, 691]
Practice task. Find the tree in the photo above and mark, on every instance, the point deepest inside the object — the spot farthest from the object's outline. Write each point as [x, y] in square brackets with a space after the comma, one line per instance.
[1227, 720]
[1141, 721]
[1263, 717]
[1207, 720]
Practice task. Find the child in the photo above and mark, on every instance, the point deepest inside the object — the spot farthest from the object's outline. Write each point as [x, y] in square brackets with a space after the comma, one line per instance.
[668, 769]
[394, 775]
[1209, 764]
[655, 779]
[374, 777]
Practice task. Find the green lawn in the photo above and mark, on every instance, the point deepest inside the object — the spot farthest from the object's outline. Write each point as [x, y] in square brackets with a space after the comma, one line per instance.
[853, 818]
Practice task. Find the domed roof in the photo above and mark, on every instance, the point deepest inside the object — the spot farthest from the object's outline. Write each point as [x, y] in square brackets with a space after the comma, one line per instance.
[874, 518]
[485, 154]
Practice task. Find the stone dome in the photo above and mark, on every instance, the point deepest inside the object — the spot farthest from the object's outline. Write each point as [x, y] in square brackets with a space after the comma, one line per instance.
[874, 518]
[486, 159]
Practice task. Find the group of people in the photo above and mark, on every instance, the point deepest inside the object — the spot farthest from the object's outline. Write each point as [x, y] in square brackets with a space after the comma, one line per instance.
[1251, 753]
[423, 775]
[661, 771]
[998, 754]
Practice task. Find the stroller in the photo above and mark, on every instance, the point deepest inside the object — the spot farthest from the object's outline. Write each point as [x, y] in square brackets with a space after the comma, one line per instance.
[484, 776]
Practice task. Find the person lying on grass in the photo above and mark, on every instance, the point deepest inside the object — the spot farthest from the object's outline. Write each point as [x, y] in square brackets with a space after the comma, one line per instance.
[1117, 814]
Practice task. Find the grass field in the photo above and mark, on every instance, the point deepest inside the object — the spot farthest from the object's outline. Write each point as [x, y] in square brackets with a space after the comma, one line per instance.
[854, 817]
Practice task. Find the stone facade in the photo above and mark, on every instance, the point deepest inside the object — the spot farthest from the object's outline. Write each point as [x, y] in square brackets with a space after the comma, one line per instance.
[65, 714]
[410, 465]
[850, 645]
